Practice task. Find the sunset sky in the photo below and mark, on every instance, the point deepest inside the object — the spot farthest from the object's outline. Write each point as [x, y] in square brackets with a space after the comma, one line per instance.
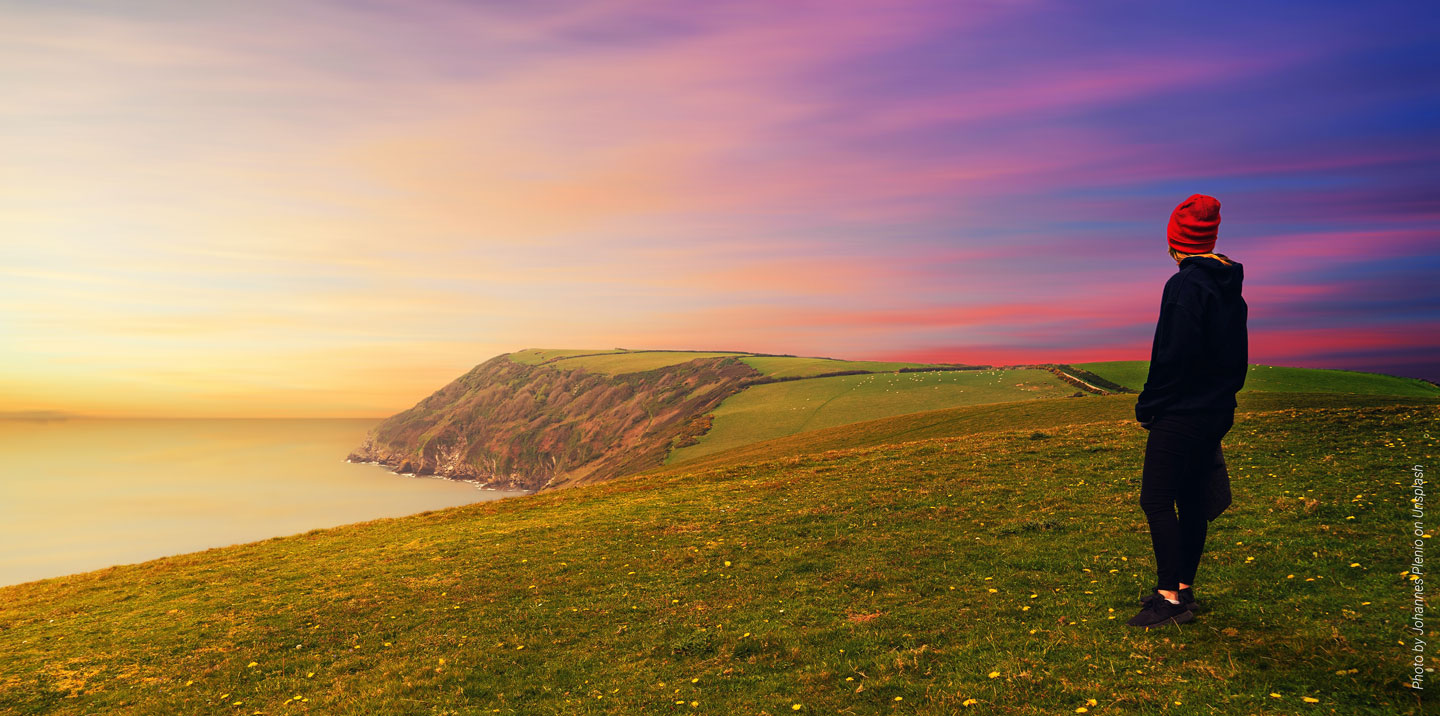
[301, 208]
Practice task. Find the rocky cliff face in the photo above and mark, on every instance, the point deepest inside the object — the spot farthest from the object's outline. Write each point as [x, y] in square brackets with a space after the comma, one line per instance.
[535, 427]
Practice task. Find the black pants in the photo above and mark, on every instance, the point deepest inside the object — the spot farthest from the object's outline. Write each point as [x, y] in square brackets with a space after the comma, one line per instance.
[1178, 456]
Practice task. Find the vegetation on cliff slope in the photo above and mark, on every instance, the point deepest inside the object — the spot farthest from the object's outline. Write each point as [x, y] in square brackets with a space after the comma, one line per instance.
[513, 424]
[1277, 378]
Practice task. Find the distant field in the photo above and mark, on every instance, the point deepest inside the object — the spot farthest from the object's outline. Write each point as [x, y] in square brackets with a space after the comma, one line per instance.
[1131, 374]
[1128, 373]
[633, 361]
[787, 367]
[535, 356]
[1017, 415]
[619, 361]
[773, 410]
[612, 362]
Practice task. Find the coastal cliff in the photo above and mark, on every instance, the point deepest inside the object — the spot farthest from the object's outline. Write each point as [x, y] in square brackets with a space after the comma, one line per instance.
[534, 427]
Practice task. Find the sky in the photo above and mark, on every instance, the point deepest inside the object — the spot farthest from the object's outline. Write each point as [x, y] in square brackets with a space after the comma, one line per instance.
[331, 209]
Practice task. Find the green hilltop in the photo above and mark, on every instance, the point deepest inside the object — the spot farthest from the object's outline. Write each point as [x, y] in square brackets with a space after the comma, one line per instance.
[1274, 378]
[975, 558]
[772, 410]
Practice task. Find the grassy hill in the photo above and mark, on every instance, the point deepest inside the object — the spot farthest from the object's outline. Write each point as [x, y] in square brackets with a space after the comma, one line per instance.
[764, 412]
[796, 367]
[1273, 378]
[979, 559]
[545, 418]
[991, 417]
[773, 410]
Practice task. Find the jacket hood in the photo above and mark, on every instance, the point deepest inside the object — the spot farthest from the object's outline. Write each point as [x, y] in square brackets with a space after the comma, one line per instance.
[1228, 278]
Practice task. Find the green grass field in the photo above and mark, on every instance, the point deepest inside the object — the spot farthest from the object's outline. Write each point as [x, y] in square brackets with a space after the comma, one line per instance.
[1017, 415]
[613, 362]
[536, 356]
[980, 572]
[1132, 373]
[632, 361]
[771, 410]
[787, 367]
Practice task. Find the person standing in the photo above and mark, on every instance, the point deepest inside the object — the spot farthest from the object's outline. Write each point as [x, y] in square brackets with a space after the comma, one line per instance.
[1198, 363]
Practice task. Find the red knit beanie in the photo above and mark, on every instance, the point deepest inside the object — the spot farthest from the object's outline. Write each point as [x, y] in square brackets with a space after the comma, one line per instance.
[1194, 225]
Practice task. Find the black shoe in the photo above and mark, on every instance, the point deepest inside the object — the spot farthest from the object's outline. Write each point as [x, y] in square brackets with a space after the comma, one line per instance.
[1161, 612]
[1187, 598]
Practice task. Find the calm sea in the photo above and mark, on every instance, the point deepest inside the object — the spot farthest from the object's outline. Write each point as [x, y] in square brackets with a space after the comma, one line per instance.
[81, 494]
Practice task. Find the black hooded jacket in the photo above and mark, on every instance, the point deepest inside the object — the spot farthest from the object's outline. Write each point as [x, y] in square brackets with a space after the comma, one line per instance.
[1201, 349]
